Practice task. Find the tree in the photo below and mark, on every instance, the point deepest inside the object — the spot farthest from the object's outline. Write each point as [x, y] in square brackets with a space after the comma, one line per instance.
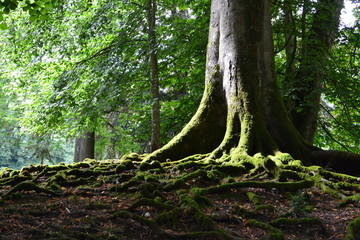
[307, 82]
[85, 147]
[154, 75]
[241, 112]
[314, 66]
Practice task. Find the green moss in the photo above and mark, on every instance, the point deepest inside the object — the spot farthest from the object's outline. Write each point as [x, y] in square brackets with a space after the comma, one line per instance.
[129, 164]
[169, 217]
[281, 186]
[232, 169]
[271, 167]
[202, 200]
[121, 214]
[265, 207]
[14, 180]
[215, 175]
[132, 157]
[272, 233]
[284, 158]
[243, 212]
[285, 175]
[144, 166]
[197, 191]
[188, 203]
[350, 199]
[57, 167]
[84, 173]
[124, 186]
[353, 230]
[205, 222]
[188, 165]
[347, 186]
[177, 184]
[28, 186]
[32, 168]
[338, 176]
[120, 168]
[253, 198]
[157, 170]
[146, 189]
[14, 173]
[81, 165]
[5, 173]
[192, 175]
[151, 178]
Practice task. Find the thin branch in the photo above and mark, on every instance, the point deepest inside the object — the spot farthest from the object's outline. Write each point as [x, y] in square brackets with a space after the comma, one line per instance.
[107, 49]
[139, 5]
[331, 137]
[337, 122]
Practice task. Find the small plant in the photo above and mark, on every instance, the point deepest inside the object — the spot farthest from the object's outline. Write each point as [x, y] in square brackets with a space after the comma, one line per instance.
[299, 206]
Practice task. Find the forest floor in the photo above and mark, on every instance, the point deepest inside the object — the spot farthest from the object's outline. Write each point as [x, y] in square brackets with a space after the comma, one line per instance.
[127, 199]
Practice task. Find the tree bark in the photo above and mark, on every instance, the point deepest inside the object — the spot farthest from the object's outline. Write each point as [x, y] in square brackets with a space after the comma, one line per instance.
[85, 147]
[290, 47]
[154, 76]
[308, 82]
[241, 111]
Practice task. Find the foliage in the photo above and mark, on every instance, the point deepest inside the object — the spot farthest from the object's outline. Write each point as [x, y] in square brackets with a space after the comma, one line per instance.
[338, 121]
[73, 73]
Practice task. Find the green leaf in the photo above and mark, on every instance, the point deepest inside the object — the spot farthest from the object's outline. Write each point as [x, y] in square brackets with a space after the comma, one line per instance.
[3, 26]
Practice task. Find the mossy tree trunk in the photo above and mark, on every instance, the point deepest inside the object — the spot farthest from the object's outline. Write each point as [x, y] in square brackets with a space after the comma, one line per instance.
[241, 111]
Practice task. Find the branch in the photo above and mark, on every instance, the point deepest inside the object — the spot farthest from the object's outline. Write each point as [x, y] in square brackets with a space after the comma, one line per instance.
[332, 138]
[107, 49]
[337, 122]
[139, 5]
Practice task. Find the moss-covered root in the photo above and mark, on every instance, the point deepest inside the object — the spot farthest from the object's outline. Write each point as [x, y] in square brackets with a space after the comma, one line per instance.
[353, 230]
[272, 232]
[281, 186]
[307, 221]
[28, 186]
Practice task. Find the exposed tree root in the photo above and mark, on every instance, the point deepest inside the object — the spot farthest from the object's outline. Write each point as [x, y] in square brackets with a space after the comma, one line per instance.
[197, 198]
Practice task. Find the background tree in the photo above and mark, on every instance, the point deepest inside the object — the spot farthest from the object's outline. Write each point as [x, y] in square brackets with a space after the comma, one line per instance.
[312, 27]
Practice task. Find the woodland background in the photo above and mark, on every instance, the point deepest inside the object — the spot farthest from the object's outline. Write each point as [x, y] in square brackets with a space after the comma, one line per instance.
[83, 67]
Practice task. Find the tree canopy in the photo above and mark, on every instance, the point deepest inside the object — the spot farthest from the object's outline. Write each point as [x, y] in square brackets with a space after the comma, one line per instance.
[73, 66]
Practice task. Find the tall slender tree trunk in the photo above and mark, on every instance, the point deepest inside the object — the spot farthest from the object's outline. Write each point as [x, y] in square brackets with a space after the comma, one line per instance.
[85, 147]
[154, 76]
[308, 83]
[290, 47]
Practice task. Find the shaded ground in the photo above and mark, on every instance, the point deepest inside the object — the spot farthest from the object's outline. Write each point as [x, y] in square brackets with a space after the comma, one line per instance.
[124, 199]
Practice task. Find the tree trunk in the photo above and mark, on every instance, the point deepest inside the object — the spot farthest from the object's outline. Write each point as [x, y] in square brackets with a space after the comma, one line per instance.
[154, 77]
[85, 147]
[241, 111]
[290, 46]
[308, 83]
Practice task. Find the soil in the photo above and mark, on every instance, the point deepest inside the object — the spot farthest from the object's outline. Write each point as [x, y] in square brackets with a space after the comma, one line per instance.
[104, 209]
